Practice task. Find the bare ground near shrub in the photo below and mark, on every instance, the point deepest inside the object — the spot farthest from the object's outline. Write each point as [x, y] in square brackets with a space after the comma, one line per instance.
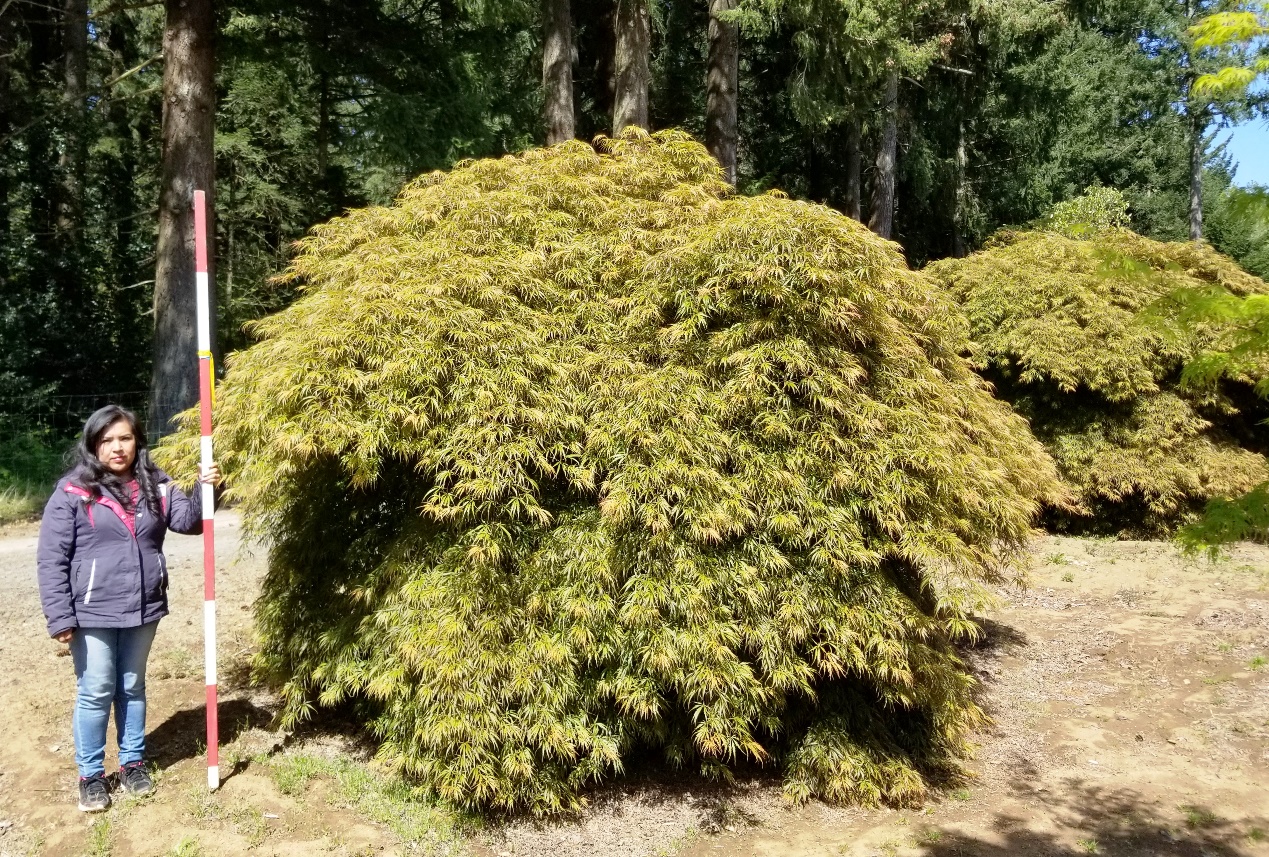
[1129, 689]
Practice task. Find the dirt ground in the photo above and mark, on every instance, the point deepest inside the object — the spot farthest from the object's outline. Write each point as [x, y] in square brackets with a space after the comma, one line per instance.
[1129, 689]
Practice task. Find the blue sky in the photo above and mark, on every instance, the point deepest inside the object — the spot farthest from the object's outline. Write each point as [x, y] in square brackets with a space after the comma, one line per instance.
[1249, 147]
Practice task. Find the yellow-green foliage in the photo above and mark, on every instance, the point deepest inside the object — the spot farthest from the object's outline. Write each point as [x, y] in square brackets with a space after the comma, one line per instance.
[1058, 325]
[577, 454]
[1096, 210]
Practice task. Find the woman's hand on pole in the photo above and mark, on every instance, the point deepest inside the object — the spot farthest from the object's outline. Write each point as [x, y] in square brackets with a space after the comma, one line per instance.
[210, 474]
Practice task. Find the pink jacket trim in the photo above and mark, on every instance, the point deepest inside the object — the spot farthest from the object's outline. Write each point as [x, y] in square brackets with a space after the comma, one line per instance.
[110, 503]
[80, 492]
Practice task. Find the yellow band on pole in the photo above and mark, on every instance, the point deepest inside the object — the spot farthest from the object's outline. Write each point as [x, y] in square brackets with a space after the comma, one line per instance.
[211, 373]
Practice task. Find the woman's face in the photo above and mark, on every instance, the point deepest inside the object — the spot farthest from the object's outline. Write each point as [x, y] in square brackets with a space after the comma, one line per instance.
[117, 448]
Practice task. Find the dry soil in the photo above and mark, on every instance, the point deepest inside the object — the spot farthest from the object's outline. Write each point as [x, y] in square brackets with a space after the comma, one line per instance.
[1129, 690]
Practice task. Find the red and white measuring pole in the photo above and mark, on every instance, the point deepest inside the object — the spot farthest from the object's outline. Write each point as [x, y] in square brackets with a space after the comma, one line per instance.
[206, 380]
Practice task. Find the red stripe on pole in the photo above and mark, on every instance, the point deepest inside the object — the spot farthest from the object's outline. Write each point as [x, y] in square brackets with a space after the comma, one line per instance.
[206, 380]
[200, 232]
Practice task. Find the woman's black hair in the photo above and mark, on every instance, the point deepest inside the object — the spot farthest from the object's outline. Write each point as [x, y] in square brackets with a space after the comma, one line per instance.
[89, 473]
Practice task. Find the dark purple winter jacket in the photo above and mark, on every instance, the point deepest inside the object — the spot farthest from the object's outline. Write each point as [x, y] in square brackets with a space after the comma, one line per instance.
[95, 570]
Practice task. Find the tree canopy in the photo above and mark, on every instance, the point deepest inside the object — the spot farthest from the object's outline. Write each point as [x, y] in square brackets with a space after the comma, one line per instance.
[997, 112]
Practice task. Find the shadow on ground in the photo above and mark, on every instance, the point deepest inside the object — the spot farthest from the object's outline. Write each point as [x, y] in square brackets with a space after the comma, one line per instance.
[998, 637]
[1088, 819]
[183, 735]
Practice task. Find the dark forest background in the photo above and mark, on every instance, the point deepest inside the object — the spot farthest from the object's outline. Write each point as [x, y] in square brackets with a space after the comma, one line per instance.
[934, 122]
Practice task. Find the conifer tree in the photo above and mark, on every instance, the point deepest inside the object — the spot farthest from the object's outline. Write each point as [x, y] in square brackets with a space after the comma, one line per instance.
[722, 80]
[189, 109]
[557, 71]
[631, 75]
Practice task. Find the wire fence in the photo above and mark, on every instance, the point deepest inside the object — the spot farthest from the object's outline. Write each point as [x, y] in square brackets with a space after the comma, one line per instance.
[61, 416]
[38, 432]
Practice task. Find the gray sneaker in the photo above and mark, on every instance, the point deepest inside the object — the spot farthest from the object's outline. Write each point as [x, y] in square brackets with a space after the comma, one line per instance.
[135, 780]
[94, 794]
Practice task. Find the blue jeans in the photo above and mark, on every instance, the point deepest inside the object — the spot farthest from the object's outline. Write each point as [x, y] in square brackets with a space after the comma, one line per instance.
[109, 668]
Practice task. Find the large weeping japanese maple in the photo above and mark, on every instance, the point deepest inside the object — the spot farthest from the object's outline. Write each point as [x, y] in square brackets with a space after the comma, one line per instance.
[574, 455]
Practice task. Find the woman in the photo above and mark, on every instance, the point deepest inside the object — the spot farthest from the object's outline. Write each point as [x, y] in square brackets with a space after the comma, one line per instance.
[103, 585]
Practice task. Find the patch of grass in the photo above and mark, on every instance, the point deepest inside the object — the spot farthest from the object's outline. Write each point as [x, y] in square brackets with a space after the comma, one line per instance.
[380, 798]
[1256, 835]
[1089, 846]
[1225, 648]
[30, 462]
[20, 503]
[177, 663]
[929, 836]
[1257, 663]
[1057, 559]
[1068, 577]
[678, 843]
[187, 847]
[1196, 817]
[961, 794]
[292, 774]
[1212, 681]
[209, 808]
[100, 841]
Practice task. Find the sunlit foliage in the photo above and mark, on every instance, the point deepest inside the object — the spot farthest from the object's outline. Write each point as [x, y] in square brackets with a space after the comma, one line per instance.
[1058, 325]
[1096, 210]
[575, 455]
[1243, 35]
[1242, 356]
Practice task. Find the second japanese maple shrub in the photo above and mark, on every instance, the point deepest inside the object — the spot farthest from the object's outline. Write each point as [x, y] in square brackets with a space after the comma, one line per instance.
[1065, 322]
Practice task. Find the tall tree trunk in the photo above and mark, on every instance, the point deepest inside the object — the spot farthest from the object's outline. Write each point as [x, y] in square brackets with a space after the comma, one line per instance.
[323, 128]
[1197, 126]
[557, 72]
[75, 101]
[634, 41]
[722, 79]
[230, 222]
[881, 218]
[123, 306]
[854, 164]
[188, 164]
[960, 216]
[8, 41]
[40, 153]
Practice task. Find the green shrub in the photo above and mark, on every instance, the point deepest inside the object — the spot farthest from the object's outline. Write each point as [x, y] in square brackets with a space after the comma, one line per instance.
[1241, 356]
[576, 455]
[1099, 209]
[30, 462]
[1058, 325]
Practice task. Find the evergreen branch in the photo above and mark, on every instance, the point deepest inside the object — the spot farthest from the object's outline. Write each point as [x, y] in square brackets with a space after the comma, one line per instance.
[130, 72]
[125, 7]
[99, 90]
